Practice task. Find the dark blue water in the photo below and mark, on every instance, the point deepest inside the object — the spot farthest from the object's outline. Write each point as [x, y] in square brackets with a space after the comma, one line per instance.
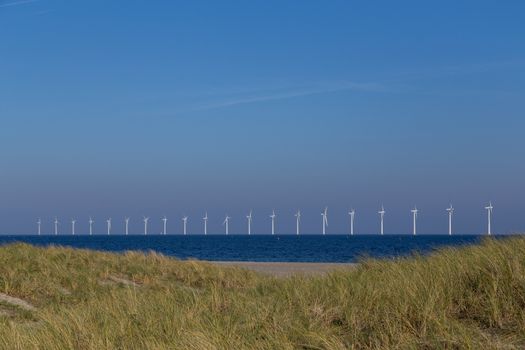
[330, 248]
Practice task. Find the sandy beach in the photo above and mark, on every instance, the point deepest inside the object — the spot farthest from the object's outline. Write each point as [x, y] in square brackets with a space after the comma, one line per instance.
[286, 269]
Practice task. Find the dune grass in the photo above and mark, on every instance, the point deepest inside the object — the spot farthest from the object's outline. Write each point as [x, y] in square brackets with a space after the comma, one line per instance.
[466, 298]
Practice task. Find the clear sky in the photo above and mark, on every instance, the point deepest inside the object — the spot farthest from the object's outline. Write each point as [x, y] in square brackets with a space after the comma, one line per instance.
[114, 108]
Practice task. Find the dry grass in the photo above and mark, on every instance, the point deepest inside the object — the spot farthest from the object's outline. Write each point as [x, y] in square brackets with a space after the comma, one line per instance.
[468, 298]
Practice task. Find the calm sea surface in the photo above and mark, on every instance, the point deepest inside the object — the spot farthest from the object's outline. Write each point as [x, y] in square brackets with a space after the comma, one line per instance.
[285, 248]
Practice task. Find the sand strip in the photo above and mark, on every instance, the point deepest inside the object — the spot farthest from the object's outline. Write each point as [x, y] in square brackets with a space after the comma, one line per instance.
[16, 302]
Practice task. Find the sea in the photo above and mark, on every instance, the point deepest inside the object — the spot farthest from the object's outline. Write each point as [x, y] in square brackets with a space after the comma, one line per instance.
[279, 248]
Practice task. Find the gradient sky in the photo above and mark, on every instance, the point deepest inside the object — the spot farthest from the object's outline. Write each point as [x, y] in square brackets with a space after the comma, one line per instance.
[114, 108]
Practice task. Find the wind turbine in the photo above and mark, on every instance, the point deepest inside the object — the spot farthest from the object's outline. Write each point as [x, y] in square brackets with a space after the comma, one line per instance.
[91, 225]
[450, 213]
[226, 223]
[273, 221]
[414, 216]
[39, 223]
[73, 222]
[56, 226]
[126, 220]
[165, 222]
[145, 225]
[382, 214]
[352, 216]
[205, 218]
[324, 214]
[108, 221]
[489, 213]
[298, 222]
[250, 218]
[185, 221]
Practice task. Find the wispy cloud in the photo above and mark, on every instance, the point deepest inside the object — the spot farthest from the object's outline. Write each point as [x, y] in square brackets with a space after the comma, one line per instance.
[16, 3]
[283, 93]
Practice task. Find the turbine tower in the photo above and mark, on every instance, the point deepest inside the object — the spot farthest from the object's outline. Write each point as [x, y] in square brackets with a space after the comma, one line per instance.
[352, 216]
[297, 222]
[489, 213]
[414, 216]
[126, 220]
[324, 214]
[145, 225]
[91, 225]
[205, 218]
[273, 221]
[56, 226]
[108, 221]
[226, 223]
[73, 222]
[382, 214]
[250, 218]
[185, 222]
[165, 222]
[450, 211]
[39, 223]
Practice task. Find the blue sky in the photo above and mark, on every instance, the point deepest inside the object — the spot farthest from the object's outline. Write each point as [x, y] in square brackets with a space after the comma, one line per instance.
[114, 108]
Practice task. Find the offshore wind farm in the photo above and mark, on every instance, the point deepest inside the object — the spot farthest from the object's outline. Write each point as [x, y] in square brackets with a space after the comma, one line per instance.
[250, 217]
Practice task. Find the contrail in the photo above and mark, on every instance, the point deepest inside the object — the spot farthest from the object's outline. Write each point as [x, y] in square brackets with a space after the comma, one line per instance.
[295, 93]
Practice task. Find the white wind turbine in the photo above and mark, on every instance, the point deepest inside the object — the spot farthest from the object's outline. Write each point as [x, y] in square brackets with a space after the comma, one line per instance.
[450, 211]
[145, 225]
[108, 221]
[352, 216]
[185, 222]
[126, 221]
[165, 224]
[39, 223]
[226, 223]
[91, 225]
[297, 222]
[73, 222]
[205, 218]
[273, 221]
[324, 214]
[56, 226]
[382, 214]
[250, 218]
[414, 216]
[489, 213]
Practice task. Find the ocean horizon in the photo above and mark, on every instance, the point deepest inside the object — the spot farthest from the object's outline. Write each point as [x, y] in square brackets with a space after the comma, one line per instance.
[333, 248]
